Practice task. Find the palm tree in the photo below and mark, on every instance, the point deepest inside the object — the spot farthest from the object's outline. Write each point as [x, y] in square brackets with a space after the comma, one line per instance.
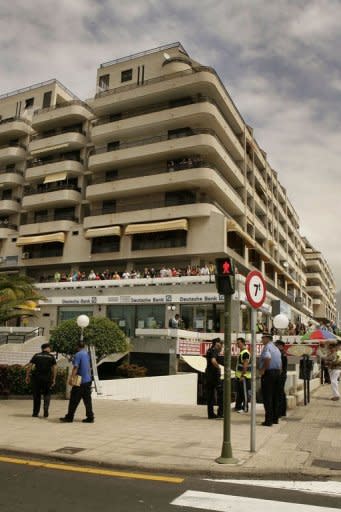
[18, 297]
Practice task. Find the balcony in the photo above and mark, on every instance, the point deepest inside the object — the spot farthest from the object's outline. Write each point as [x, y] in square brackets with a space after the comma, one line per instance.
[74, 111]
[48, 224]
[9, 206]
[63, 163]
[66, 141]
[200, 110]
[51, 195]
[11, 177]
[204, 177]
[315, 291]
[13, 152]
[15, 127]
[197, 80]
[162, 147]
[6, 228]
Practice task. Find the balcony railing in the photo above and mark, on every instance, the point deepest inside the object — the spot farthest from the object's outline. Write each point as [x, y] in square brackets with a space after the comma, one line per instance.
[49, 218]
[61, 158]
[11, 171]
[29, 191]
[14, 118]
[152, 140]
[62, 105]
[40, 136]
[14, 145]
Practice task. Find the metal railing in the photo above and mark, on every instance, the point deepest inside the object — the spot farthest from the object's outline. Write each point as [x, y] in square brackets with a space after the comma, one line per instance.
[62, 105]
[35, 86]
[142, 54]
[38, 162]
[19, 336]
[29, 191]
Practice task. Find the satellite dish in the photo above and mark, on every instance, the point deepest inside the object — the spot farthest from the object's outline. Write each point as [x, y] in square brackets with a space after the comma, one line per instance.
[166, 56]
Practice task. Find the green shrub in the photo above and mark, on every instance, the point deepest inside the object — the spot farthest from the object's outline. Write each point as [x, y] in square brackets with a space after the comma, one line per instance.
[12, 381]
[131, 370]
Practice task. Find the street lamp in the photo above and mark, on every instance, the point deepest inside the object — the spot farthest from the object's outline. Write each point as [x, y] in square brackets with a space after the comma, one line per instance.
[82, 322]
[281, 322]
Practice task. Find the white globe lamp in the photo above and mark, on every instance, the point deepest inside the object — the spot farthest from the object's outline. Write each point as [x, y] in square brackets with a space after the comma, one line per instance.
[82, 322]
[281, 321]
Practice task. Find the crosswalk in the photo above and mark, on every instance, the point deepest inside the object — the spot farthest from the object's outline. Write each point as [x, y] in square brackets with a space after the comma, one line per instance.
[225, 503]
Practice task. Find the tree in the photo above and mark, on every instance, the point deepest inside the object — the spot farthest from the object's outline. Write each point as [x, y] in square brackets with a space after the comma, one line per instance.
[18, 297]
[101, 332]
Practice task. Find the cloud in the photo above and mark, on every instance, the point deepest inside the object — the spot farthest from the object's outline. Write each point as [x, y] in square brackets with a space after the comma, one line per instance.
[279, 60]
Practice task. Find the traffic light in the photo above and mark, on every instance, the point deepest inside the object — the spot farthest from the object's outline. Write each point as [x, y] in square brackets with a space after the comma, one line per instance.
[224, 276]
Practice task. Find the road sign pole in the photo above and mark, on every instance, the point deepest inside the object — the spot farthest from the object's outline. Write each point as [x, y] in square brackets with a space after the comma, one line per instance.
[226, 452]
[253, 379]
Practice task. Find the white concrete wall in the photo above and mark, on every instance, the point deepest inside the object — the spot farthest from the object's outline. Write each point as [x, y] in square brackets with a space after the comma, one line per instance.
[169, 389]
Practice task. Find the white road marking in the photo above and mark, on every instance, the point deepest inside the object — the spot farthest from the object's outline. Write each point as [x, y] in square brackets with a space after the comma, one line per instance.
[329, 488]
[225, 503]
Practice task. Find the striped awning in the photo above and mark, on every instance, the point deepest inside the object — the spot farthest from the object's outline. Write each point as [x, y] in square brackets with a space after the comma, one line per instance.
[155, 227]
[232, 225]
[106, 231]
[56, 176]
[41, 239]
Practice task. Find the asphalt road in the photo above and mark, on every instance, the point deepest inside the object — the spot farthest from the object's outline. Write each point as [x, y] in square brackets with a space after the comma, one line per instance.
[25, 488]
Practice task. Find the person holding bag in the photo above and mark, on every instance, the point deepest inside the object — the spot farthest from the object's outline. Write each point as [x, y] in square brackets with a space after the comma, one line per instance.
[80, 380]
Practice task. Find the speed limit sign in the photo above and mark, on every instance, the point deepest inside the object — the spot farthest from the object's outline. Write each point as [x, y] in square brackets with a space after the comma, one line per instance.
[255, 289]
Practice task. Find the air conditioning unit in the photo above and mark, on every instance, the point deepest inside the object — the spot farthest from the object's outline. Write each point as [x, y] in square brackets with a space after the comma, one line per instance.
[25, 255]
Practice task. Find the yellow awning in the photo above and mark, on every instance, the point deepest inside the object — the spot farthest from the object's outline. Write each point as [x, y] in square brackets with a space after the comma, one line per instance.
[155, 227]
[41, 239]
[107, 231]
[232, 225]
[56, 176]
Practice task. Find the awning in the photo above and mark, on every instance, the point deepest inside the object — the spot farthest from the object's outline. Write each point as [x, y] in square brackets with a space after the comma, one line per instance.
[155, 227]
[112, 358]
[232, 225]
[198, 363]
[41, 239]
[107, 231]
[57, 176]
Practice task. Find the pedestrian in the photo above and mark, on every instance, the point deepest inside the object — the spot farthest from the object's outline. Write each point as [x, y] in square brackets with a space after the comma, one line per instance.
[214, 386]
[176, 322]
[80, 380]
[282, 396]
[242, 377]
[270, 366]
[42, 371]
[333, 361]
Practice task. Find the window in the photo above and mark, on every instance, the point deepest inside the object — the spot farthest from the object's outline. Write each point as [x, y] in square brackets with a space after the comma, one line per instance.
[179, 132]
[112, 146]
[64, 214]
[29, 103]
[179, 197]
[47, 99]
[126, 75]
[105, 244]
[40, 216]
[111, 175]
[163, 240]
[180, 102]
[109, 206]
[103, 82]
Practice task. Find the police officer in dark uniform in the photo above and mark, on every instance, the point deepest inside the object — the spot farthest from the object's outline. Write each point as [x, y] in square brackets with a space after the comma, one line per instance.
[44, 370]
[214, 386]
[282, 396]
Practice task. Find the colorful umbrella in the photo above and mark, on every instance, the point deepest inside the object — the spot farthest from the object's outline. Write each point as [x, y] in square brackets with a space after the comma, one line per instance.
[319, 335]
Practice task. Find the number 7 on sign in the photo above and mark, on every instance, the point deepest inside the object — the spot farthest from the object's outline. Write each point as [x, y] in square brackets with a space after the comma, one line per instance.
[257, 289]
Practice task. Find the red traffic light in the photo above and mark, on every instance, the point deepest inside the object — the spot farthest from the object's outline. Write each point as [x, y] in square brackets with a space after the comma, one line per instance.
[224, 267]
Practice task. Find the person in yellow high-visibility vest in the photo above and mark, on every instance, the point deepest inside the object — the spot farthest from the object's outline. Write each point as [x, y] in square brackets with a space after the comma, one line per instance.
[243, 377]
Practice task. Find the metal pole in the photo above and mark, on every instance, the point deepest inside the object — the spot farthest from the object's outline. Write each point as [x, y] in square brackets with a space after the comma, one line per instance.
[82, 334]
[253, 380]
[226, 451]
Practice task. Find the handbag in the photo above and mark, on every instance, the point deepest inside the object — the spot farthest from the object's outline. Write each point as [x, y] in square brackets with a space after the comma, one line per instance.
[76, 380]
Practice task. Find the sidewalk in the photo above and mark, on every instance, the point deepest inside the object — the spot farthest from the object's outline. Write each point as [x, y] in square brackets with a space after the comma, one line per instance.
[180, 439]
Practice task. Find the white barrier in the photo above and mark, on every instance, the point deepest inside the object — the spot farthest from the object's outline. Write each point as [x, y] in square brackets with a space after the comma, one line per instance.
[169, 389]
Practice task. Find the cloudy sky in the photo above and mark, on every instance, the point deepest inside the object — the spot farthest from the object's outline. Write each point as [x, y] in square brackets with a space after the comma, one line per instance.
[279, 60]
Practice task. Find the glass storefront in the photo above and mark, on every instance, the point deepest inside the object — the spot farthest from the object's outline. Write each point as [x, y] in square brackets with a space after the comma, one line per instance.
[129, 318]
[203, 317]
[68, 313]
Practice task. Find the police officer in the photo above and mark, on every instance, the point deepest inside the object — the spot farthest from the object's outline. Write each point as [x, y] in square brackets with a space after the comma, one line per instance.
[214, 386]
[282, 396]
[270, 366]
[44, 370]
[243, 377]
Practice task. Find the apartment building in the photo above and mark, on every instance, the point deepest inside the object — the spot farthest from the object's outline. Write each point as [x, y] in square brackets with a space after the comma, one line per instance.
[320, 284]
[158, 168]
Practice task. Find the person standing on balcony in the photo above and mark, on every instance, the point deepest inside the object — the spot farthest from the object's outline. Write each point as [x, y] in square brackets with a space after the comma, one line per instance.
[43, 377]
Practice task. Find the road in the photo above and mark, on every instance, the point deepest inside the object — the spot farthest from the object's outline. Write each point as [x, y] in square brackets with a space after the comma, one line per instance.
[65, 487]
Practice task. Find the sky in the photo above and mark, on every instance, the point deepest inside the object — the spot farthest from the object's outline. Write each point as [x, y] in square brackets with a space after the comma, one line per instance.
[279, 60]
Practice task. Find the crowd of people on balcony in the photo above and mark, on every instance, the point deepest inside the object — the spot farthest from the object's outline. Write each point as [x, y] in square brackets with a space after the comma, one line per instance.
[147, 272]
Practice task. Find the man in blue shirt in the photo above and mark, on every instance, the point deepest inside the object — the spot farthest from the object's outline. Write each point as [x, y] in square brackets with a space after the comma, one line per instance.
[270, 365]
[81, 371]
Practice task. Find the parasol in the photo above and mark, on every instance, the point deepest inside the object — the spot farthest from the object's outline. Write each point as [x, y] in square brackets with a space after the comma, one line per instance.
[319, 335]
